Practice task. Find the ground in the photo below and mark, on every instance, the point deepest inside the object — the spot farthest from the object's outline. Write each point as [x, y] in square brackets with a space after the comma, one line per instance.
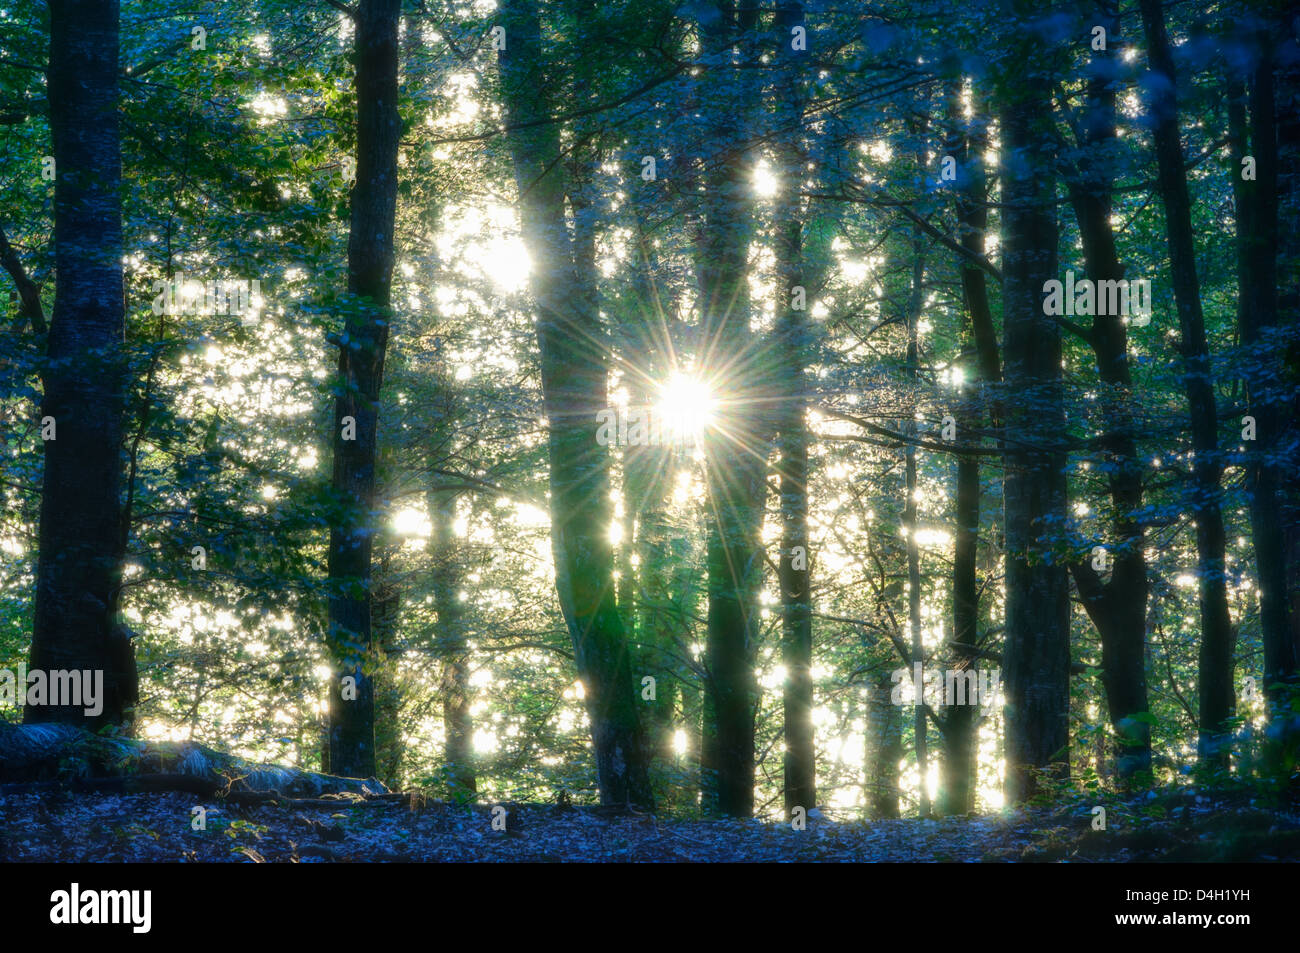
[68, 826]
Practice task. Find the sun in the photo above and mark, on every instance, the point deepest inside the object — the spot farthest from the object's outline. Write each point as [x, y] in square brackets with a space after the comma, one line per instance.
[412, 523]
[685, 408]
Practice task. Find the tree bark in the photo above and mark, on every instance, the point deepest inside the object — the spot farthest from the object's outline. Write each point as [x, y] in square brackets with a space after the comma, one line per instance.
[1252, 110]
[29, 295]
[1037, 647]
[884, 744]
[361, 370]
[1287, 115]
[736, 464]
[79, 565]
[920, 721]
[452, 647]
[385, 614]
[982, 369]
[792, 439]
[647, 478]
[1217, 702]
[1117, 607]
[574, 371]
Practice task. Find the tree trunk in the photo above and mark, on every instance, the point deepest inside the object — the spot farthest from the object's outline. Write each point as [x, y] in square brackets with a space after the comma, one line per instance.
[573, 353]
[884, 744]
[1037, 647]
[29, 295]
[361, 371]
[920, 720]
[982, 368]
[1257, 316]
[79, 565]
[385, 612]
[961, 722]
[1286, 109]
[800, 761]
[452, 647]
[1217, 703]
[1118, 607]
[737, 452]
[647, 477]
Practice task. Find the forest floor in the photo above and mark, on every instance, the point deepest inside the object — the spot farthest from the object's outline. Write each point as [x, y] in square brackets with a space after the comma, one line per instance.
[87, 827]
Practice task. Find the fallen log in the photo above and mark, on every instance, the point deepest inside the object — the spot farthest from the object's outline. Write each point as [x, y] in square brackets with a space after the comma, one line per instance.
[64, 755]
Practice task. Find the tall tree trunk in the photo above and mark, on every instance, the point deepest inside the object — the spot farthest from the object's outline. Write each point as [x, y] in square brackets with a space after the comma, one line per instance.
[361, 371]
[1251, 109]
[884, 749]
[1117, 607]
[737, 456]
[452, 646]
[647, 477]
[981, 368]
[385, 613]
[79, 564]
[912, 315]
[961, 722]
[800, 761]
[1217, 703]
[574, 385]
[1037, 648]
[1286, 109]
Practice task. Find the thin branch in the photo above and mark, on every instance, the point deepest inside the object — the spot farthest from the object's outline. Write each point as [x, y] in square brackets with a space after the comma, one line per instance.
[28, 292]
[344, 8]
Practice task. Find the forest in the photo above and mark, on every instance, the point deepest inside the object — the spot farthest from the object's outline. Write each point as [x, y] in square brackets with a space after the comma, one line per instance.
[693, 430]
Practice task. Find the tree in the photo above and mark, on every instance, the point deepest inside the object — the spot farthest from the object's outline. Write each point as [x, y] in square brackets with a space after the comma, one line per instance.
[360, 373]
[574, 357]
[1253, 135]
[1117, 607]
[884, 749]
[29, 295]
[981, 366]
[1037, 648]
[79, 568]
[451, 639]
[800, 763]
[1217, 700]
[1286, 109]
[647, 589]
[737, 455]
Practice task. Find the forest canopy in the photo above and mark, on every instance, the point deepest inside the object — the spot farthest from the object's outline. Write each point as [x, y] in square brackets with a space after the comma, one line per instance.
[716, 408]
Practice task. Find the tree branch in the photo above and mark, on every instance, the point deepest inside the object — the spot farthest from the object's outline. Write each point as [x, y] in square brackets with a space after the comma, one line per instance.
[28, 292]
[344, 8]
